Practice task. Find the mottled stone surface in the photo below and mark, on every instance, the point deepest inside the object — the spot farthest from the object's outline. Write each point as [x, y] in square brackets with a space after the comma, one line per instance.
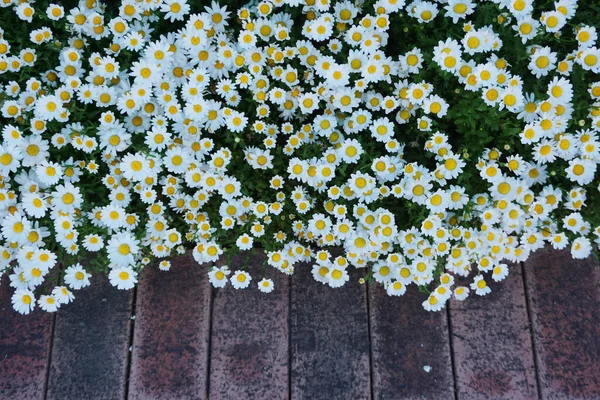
[250, 337]
[24, 349]
[329, 338]
[564, 296]
[491, 338]
[91, 341]
[404, 339]
[172, 325]
[308, 341]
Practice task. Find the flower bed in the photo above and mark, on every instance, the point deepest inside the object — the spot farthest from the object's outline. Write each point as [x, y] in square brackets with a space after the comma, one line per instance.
[429, 140]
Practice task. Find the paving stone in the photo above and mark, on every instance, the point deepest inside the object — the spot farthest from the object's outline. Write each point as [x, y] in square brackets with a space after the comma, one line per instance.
[25, 342]
[91, 342]
[171, 332]
[250, 337]
[405, 340]
[491, 341]
[564, 296]
[330, 338]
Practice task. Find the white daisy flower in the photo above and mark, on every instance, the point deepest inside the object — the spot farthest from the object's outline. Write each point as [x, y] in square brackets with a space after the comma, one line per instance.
[499, 272]
[459, 9]
[10, 156]
[395, 288]
[265, 285]
[581, 248]
[34, 204]
[123, 278]
[15, 228]
[218, 276]
[49, 173]
[66, 198]
[581, 171]
[175, 10]
[337, 277]
[55, 12]
[63, 295]
[23, 301]
[241, 279]
[93, 242]
[461, 293]
[542, 62]
[425, 11]
[434, 303]
[164, 265]
[113, 217]
[48, 303]
[76, 277]
[122, 249]
[244, 242]
[350, 151]
[480, 286]
[135, 167]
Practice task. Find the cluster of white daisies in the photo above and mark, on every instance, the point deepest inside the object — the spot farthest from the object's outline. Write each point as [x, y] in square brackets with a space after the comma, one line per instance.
[176, 121]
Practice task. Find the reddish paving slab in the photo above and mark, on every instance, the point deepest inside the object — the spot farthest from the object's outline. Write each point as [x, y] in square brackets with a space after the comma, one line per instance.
[404, 339]
[491, 341]
[249, 339]
[91, 341]
[170, 342]
[329, 338]
[25, 343]
[564, 299]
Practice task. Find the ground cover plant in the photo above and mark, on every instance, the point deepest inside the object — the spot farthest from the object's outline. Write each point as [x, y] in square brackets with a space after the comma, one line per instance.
[430, 140]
